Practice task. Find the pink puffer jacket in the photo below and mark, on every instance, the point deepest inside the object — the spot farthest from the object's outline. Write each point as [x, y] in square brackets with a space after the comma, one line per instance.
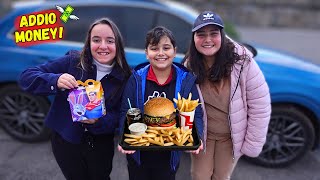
[249, 109]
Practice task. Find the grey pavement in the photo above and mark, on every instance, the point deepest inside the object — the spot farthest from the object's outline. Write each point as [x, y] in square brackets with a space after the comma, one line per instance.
[21, 161]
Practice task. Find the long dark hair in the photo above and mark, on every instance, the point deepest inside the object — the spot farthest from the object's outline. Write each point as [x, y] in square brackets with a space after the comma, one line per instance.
[225, 58]
[120, 58]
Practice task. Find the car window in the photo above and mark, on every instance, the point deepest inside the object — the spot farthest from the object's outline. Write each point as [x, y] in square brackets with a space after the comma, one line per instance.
[136, 23]
[180, 29]
[132, 22]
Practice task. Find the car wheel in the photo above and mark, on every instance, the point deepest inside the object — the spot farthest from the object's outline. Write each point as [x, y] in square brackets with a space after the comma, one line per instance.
[22, 114]
[290, 136]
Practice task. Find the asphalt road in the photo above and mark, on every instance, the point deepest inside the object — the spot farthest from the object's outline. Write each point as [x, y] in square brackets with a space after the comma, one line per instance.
[300, 42]
[21, 161]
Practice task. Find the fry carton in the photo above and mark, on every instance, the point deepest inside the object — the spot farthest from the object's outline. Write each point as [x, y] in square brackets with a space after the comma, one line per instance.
[186, 119]
[186, 108]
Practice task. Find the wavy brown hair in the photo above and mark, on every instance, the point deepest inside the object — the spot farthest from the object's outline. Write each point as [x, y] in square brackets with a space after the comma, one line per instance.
[224, 60]
[120, 59]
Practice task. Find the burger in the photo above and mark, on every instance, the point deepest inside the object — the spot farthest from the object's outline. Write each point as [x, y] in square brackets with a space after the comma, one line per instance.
[160, 112]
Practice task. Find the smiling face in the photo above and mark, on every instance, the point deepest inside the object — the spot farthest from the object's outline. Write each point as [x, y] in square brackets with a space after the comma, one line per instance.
[161, 55]
[208, 40]
[92, 96]
[102, 44]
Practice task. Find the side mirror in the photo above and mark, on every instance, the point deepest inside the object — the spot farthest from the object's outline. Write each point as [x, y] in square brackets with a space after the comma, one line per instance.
[252, 49]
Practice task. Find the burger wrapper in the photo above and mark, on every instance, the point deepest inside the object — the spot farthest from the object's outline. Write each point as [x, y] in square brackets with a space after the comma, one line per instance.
[186, 119]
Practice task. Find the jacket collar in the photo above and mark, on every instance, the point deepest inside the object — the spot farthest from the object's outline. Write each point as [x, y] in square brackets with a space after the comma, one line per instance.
[116, 72]
[142, 68]
[152, 76]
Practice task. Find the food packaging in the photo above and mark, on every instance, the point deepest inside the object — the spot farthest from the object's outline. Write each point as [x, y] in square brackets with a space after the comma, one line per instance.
[87, 101]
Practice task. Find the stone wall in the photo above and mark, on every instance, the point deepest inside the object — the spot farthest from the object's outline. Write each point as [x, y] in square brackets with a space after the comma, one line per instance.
[5, 6]
[265, 13]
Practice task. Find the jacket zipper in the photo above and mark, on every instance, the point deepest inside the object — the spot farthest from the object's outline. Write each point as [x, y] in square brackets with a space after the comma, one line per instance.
[229, 112]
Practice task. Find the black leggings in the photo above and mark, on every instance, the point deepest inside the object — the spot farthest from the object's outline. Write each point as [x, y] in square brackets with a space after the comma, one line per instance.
[90, 160]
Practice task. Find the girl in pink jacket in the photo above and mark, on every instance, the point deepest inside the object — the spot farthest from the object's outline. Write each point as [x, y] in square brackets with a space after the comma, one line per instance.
[235, 96]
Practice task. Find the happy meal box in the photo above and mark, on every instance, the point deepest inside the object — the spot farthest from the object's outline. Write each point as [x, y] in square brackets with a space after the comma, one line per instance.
[87, 101]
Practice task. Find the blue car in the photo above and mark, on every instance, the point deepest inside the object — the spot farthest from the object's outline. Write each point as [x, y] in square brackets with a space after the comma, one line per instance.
[294, 83]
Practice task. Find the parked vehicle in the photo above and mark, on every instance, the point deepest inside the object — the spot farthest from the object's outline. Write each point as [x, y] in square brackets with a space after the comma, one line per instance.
[294, 83]
[294, 125]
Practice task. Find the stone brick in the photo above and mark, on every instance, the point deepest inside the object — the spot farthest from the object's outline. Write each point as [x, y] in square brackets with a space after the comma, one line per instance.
[280, 13]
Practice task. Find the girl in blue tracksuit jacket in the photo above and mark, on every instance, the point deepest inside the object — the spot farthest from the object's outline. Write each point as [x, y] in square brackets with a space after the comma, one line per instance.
[160, 76]
[83, 150]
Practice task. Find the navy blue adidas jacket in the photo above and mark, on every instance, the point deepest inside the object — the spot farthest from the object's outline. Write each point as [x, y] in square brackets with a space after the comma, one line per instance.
[135, 91]
[42, 80]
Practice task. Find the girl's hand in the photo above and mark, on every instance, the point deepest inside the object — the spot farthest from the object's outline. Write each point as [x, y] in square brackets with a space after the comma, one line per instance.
[89, 121]
[198, 150]
[67, 81]
[124, 151]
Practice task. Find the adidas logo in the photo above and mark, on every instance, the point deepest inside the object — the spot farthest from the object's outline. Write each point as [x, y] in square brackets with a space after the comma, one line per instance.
[208, 16]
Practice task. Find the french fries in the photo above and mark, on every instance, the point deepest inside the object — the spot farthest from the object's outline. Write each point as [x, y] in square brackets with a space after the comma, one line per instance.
[167, 137]
[163, 137]
[186, 105]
